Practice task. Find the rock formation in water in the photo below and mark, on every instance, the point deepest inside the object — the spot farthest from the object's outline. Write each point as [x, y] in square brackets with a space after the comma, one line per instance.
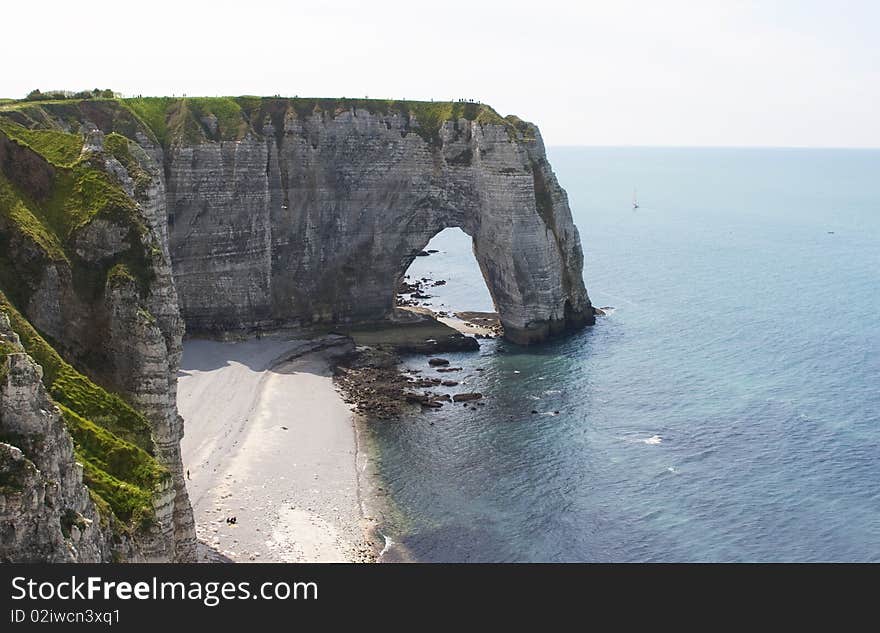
[271, 213]
[299, 211]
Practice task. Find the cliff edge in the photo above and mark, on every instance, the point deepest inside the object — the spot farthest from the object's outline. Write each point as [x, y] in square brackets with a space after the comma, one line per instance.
[85, 280]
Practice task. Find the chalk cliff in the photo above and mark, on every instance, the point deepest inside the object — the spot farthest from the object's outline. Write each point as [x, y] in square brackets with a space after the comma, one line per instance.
[123, 219]
[85, 279]
[306, 211]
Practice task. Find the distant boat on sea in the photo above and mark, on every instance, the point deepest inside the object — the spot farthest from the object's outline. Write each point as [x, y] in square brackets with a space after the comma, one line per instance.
[635, 200]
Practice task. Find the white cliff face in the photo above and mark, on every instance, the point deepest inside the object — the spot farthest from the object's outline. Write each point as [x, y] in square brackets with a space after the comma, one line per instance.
[313, 216]
[318, 221]
[127, 335]
[145, 339]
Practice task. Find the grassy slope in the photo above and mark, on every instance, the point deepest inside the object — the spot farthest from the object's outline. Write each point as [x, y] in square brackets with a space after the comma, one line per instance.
[111, 438]
[153, 112]
[80, 193]
[59, 148]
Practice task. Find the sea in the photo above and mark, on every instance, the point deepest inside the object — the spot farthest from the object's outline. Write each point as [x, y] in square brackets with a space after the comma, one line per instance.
[727, 408]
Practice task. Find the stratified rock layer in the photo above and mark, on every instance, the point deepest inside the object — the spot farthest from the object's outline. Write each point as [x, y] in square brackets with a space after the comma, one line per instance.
[315, 217]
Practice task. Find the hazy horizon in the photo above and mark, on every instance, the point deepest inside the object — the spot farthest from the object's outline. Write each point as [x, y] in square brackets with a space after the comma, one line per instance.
[635, 73]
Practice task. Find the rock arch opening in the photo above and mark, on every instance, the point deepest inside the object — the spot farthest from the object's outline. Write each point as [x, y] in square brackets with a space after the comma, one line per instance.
[446, 279]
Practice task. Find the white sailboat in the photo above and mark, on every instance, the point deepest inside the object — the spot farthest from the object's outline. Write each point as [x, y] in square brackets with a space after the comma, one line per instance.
[635, 200]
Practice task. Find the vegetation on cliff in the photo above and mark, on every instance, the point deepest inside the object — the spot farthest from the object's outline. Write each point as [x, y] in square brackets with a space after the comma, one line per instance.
[59, 148]
[153, 113]
[47, 203]
[192, 119]
[120, 148]
[50, 192]
[111, 439]
[170, 120]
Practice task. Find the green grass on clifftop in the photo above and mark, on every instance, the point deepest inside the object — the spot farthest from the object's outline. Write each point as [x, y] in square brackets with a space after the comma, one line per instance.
[187, 119]
[191, 119]
[59, 148]
[153, 112]
[230, 122]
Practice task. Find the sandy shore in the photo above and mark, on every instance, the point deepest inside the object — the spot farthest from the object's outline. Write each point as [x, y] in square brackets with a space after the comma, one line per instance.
[480, 324]
[271, 442]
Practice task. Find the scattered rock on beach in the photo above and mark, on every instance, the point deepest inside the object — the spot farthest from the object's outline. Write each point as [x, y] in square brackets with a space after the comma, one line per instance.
[467, 397]
[374, 383]
[426, 382]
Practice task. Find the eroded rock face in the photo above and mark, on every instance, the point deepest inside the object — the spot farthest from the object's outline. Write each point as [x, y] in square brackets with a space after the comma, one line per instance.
[46, 514]
[319, 220]
[145, 343]
[125, 332]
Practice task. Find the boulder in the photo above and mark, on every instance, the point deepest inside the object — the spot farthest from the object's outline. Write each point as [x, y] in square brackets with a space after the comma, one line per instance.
[467, 397]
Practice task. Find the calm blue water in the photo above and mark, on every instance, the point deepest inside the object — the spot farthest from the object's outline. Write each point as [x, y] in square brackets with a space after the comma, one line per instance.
[727, 410]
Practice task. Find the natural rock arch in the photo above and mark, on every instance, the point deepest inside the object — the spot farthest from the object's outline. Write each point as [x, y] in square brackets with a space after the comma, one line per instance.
[316, 218]
[517, 290]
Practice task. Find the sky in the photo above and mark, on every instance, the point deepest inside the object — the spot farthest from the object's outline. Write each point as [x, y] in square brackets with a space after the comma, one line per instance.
[616, 72]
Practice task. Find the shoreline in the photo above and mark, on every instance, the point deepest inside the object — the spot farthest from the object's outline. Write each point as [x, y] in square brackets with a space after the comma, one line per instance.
[267, 411]
[277, 436]
[376, 506]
